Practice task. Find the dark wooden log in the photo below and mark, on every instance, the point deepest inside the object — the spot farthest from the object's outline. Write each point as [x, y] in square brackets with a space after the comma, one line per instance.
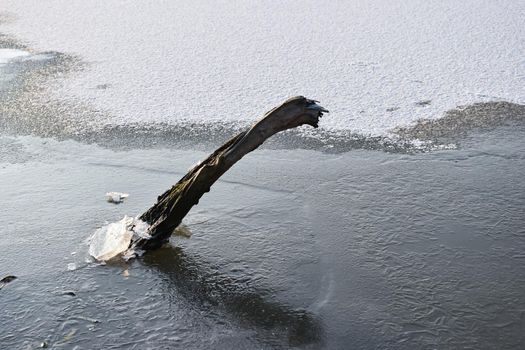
[175, 203]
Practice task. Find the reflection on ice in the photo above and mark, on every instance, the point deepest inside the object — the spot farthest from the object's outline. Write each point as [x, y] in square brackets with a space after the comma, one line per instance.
[202, 284]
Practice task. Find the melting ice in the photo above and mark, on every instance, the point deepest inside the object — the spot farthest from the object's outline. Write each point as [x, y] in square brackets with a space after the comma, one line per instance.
[113, 239]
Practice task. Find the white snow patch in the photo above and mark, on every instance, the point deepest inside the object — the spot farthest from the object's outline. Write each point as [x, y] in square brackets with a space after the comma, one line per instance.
[371, 63]
[7, 55]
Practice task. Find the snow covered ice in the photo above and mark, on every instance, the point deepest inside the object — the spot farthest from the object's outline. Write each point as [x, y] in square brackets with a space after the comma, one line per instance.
[375, 65]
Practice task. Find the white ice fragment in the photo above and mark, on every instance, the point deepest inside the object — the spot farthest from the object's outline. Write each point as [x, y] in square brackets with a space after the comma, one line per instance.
[115, 238]
[140, 229]
[71, 266]
[111, 240]
[116, 197]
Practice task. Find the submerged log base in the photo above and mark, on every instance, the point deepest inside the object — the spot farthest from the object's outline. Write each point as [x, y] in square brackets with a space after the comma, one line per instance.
[175, 203]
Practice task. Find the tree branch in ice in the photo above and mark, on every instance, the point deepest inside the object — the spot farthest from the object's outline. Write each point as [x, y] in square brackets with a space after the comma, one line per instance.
[173, 205]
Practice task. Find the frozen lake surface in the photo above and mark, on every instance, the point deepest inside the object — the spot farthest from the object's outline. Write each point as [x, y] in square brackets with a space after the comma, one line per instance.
[375, 64]
[318, 240]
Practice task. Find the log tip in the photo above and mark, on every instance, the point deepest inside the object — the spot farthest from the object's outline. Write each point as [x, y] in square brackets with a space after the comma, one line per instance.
[313, 105]
[309, 110]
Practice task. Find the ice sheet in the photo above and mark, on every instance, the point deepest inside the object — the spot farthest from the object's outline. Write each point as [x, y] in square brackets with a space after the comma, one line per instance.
[374, 64]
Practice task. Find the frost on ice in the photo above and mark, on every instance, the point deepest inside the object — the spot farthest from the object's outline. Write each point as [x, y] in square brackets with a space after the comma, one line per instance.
[115, 238]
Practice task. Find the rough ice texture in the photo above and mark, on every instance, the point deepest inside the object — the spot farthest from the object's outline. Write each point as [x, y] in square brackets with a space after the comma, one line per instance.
[375, 64]
[113, 239]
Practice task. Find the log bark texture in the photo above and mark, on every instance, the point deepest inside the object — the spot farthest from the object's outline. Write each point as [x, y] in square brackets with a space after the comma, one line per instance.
[173, 205]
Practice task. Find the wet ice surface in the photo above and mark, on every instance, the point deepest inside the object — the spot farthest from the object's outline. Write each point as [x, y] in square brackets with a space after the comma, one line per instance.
[377, 64]
[292, 248]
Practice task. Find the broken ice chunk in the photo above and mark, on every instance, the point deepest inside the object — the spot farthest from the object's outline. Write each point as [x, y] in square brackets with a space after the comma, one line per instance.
[115, 238]
[116, 197]
[111, 240]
